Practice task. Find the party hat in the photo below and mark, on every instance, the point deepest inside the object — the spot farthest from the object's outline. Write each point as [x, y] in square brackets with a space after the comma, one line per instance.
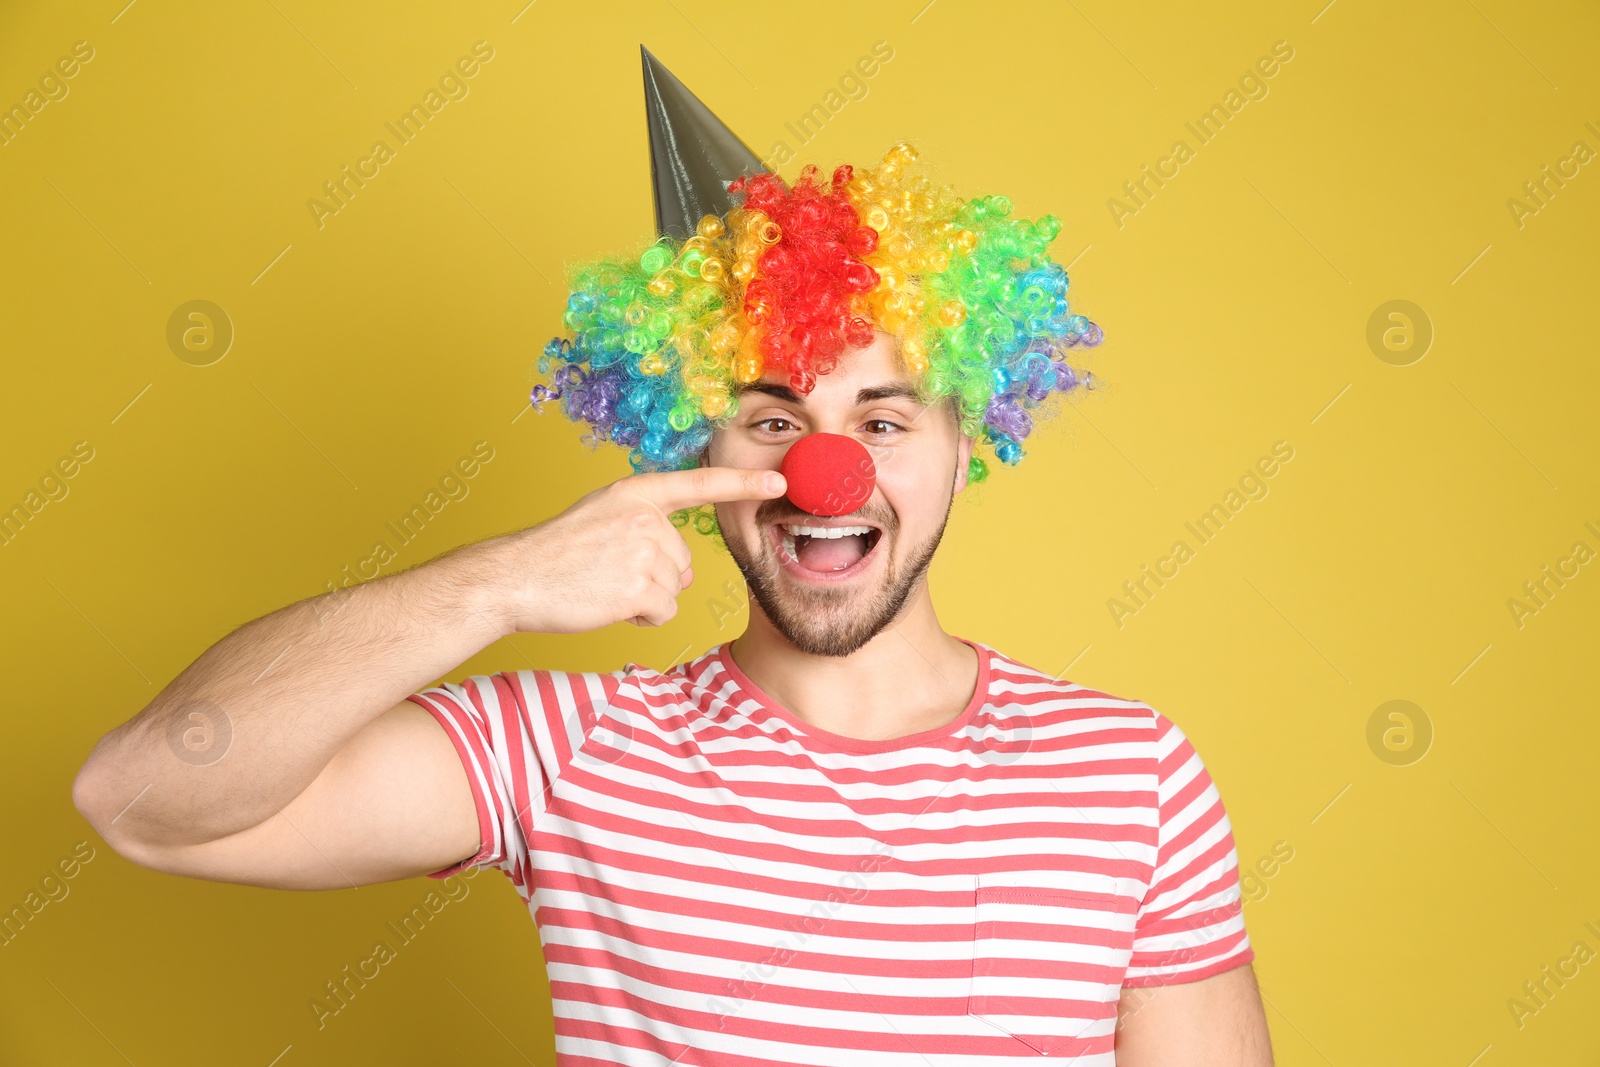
[693, 154]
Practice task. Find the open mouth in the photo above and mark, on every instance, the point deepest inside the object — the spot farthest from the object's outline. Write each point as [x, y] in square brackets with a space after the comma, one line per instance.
[821, 551]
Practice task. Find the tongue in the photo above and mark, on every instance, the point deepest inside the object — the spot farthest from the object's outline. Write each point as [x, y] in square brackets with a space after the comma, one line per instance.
[830, 553]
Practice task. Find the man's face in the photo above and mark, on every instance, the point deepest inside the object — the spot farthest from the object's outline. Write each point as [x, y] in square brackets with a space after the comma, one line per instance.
[832, 600]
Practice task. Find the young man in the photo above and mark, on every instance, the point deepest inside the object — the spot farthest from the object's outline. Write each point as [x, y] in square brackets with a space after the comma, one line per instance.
[846, 837]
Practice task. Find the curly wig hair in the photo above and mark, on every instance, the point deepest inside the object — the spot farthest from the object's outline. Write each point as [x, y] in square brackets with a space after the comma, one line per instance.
[663, 338]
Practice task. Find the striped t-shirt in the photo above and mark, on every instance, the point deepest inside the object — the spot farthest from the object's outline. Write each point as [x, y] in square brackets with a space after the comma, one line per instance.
[716, 881]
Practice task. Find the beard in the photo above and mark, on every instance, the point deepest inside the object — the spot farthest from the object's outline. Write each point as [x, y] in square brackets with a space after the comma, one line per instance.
[832, 620]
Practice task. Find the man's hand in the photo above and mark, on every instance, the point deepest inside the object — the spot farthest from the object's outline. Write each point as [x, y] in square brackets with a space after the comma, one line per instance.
[615, 555]
[1215, 1022]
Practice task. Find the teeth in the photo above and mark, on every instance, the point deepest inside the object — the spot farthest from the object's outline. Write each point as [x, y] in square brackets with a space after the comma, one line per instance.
[794, 531]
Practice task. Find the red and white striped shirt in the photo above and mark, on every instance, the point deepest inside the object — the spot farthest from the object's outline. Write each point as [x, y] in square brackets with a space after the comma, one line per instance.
[716, 881]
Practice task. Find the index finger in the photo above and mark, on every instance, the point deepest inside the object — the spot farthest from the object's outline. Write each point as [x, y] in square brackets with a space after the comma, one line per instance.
[674, 490]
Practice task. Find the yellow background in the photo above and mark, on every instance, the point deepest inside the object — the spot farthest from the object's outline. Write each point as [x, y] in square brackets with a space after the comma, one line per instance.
[370, 354]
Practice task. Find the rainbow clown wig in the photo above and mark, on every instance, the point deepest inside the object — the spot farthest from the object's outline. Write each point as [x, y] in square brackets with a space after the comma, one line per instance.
[788, 277]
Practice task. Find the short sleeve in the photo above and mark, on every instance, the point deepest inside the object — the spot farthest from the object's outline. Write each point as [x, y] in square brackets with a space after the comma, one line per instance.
[1191, 922]
[515, 732]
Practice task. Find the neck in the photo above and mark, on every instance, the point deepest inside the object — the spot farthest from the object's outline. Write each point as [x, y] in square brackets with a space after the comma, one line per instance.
[909, 678]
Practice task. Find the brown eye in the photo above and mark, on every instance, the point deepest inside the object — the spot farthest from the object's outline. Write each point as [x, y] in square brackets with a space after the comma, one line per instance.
[775, 418]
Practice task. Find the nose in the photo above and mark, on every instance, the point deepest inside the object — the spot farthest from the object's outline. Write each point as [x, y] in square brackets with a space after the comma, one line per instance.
[828, 474]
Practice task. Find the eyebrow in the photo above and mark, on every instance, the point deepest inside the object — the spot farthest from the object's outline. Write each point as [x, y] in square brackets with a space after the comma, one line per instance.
[863, 396]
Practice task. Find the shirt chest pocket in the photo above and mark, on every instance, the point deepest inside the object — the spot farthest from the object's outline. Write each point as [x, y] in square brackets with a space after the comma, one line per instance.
[1048, 964]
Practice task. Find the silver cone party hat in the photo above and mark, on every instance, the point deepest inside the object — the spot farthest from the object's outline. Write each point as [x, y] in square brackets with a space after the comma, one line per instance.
[693, 155]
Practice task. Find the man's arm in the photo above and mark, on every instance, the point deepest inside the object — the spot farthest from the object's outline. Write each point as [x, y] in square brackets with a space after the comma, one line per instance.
[287, 754]
[1215, 1022]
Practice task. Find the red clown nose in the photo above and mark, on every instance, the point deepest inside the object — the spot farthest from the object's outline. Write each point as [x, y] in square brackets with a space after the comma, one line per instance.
[828, 474]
